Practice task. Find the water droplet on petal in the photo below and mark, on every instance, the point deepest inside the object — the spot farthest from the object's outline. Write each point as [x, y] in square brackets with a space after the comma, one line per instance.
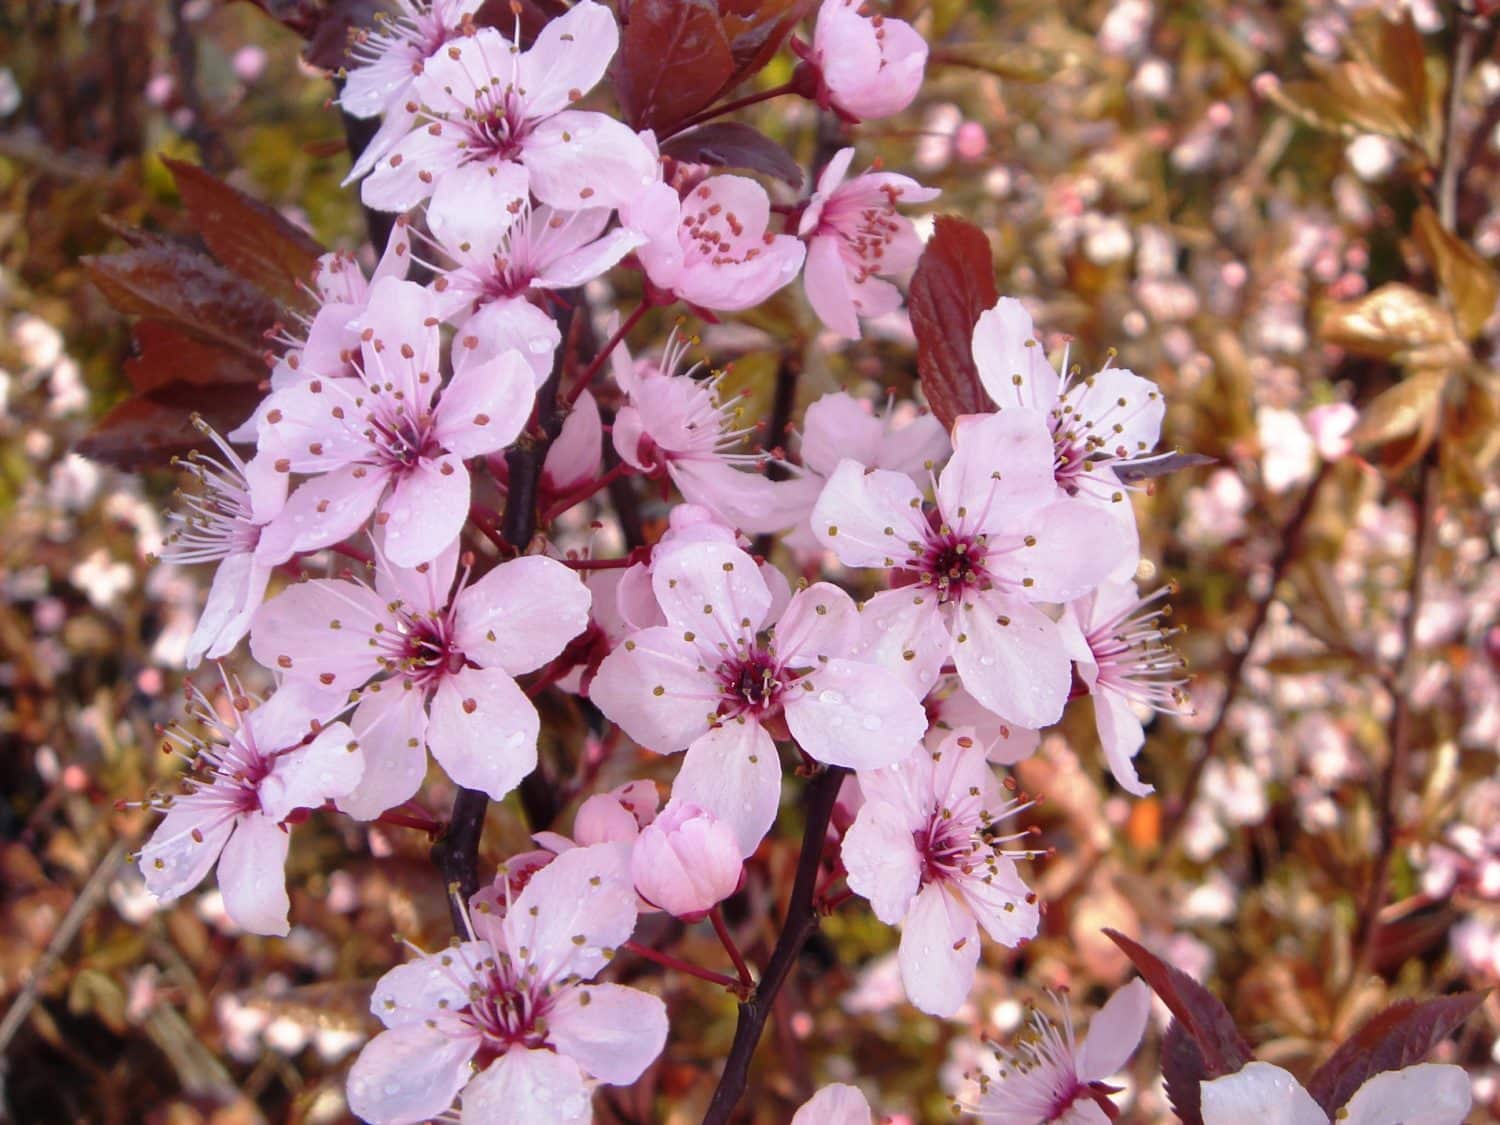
[831, 697]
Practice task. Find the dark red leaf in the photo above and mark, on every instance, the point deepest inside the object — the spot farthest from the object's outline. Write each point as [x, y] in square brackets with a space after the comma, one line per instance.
[673, 60]
[147, 430]
[1203, 1017]
[249, 237]
[756, 29]
[325, 24]
[165, 356]
[1400, 1036]
[1160, 466]
[953, 284]
[1183, 1072]
[166, 280]
[729, 144]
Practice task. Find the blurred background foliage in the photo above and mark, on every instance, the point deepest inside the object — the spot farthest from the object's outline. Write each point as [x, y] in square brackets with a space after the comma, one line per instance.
[1282, 212]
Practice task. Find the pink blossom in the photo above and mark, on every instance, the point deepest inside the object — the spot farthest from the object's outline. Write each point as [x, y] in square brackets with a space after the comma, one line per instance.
[712, 249]
[499, 266]
[1051, 1077]
[676, 424]
[1125, 659]
[686, 861]
[223, 523]
[1288, 452]
[853, 233]
[573, 459]
[950, 707]
[247, 780]
[615, 817]
[1426, 1094]
[1098, 423]
[720, 670]
[839, 426]
[1002, 539]
[924, 850]
[386, 63]
[376, 443]
[495, 127]
[447, 657]
[509, 1021]
[870, 65]
[1330, 425]
[835, 1104]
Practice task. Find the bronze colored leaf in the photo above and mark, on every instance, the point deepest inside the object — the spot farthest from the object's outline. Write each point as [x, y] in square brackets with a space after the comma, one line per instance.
[954, 283]
[1468, 281]
[165, 356]
[1402, 410]
[247, 236]
[1396, 323]
[146, 430]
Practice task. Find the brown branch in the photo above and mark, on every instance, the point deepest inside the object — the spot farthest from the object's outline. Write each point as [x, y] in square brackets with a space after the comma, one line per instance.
[1466, 39]
[800, 923]
[1234, 674]
[1399, 730]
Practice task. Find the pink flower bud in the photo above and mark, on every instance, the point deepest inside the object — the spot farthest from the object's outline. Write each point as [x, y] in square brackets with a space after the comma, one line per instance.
[686, 862]
[611, 817]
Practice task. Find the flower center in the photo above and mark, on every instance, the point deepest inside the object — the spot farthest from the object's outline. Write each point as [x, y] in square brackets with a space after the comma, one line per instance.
[424, 650]
[401, 439]
[506, 1015]
[952, 564]
[751, 684]
[500, 132]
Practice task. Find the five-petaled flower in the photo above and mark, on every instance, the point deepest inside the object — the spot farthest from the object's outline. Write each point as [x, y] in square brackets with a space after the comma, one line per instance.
[719, 673]
[378, 443]
[927, 851]
[510, 1021]
[1003, 538]
[247, 780]
[445, 659]
[493, 127]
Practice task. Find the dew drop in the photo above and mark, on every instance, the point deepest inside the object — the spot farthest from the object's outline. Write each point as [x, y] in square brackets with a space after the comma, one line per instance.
[831, 697]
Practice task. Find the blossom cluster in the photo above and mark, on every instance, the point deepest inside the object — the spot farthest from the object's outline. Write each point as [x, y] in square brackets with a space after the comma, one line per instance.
[920, 600]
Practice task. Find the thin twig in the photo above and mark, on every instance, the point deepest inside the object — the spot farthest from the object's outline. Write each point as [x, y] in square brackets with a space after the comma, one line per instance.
[88, 898]
[1466, 38]
[1234, 674]
[800, 923]
[1399, 730]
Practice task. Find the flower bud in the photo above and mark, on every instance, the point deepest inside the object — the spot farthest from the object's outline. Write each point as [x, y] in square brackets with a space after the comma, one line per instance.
[686, 862]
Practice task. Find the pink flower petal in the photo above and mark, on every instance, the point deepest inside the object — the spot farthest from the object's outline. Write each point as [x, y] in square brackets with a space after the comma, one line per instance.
[581, 159]
[835, 1104]
[408, 994]
[1000, 472]
[712, 588]
[426, 510]
[819, 621]
[327, 767]
[1019, 669]
[857, 715]
[882, 862]
[938, 952]
[734, 773]
[1425, 1094]
[826, 281]
[905, 630]
[568, 57]
[525, 1087]
[614, 1033]
[396, 182]
[1076, 546]
[1005, 346]
[485, 405]
[252, 876]
[408, 1075]
[1260, 1093]
[320, 629]
[521, 614]
[324, 510]
[1121, 738]
[483, 730]
[625, 689]
[474, 205]
[1114, 1032]
[173, 860]
[586, 894]
[869, 518]
[391, 726]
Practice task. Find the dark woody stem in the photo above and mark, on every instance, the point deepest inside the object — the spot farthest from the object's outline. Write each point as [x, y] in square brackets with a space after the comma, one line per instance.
[800, 923]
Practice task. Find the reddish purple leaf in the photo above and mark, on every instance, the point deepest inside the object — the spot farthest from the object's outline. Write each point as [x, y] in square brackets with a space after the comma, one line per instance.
[1400, 1036]
[729, 144]
[953, 284]
[756, 29]
[1182, 1072]
[1203, 1017]
[249, 237]
[673, 60]
[146, 430]
[166, 356]
[325, 24]
[167, 280]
